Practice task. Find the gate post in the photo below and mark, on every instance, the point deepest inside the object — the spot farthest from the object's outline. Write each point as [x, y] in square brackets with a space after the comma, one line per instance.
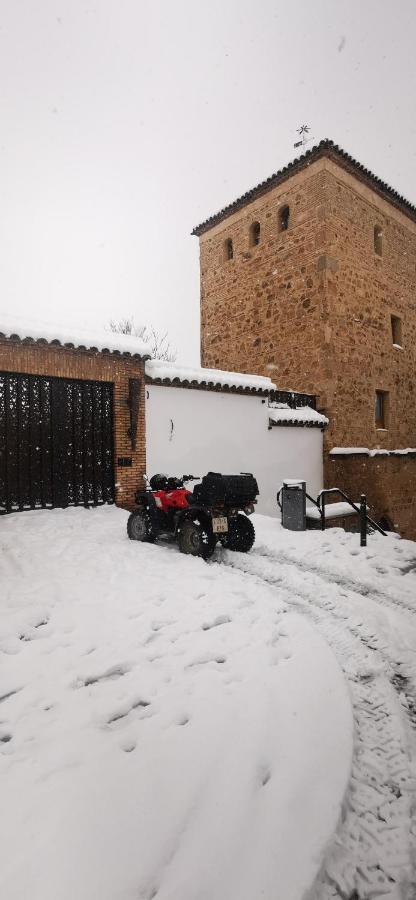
[363, 521]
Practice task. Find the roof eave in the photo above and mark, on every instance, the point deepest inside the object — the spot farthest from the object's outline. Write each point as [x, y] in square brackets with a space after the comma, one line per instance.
[324, 148]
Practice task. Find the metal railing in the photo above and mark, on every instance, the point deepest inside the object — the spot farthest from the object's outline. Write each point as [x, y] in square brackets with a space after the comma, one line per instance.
[361, 510]
[293, 399]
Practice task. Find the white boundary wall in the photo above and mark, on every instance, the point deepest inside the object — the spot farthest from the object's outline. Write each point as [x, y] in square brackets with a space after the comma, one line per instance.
[192, 431]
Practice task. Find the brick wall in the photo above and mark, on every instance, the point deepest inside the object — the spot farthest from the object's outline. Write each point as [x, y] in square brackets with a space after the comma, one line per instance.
[62, 362]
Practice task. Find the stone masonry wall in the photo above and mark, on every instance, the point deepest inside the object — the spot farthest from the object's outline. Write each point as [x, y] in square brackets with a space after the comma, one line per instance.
[312, 307]
[62, 362]
[261, 312]
[363, 291]
[388, 482]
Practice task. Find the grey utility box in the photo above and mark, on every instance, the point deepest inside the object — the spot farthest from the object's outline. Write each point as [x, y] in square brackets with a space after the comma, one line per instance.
[294, 505]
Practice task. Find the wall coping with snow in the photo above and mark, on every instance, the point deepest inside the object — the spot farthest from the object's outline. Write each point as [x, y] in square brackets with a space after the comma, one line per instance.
[365, 451]
[282, 414]
[173, 375]
[71, 337]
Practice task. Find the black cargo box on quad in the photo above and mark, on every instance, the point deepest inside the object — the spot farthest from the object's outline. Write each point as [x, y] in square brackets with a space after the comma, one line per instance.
[234, 490]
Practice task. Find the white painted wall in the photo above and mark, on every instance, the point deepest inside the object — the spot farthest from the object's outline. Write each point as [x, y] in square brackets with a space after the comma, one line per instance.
[193, 431]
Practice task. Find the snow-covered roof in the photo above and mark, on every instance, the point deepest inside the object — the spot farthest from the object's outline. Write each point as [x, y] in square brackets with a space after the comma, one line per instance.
[72, 336]
[173, 374]
[282, 414]
[377, 451]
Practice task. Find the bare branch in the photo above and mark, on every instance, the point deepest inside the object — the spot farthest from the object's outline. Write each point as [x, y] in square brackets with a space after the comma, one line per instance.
[160, 345]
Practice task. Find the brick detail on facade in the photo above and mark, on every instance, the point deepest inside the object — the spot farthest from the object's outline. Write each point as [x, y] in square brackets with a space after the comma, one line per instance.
[62, 362]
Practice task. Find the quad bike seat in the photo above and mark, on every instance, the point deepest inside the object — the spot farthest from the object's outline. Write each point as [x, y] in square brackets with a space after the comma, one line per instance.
[233, 490]
[165, 483]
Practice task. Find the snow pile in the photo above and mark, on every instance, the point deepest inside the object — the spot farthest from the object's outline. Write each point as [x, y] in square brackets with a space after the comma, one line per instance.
[71, 334]
[156, 369]
[168, 728]
[332, 510]
[365, 451]
[281, 413]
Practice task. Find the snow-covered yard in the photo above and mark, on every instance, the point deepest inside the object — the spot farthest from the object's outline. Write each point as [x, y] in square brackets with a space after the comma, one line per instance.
[180, 730]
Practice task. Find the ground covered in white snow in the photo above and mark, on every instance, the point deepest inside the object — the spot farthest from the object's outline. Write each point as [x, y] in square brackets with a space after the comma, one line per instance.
[182, 730]
[168, 729]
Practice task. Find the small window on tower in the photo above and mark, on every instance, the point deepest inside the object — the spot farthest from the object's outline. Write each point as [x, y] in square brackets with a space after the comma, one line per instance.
[255, 234]
[378, 240]
[283, 218]
[229, 249]
[381, 405]
[396, 330]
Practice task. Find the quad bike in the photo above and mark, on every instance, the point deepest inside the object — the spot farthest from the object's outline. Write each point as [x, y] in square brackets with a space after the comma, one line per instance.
[215, 511]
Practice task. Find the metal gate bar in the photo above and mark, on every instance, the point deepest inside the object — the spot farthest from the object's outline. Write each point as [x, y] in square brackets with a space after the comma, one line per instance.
[56, 442]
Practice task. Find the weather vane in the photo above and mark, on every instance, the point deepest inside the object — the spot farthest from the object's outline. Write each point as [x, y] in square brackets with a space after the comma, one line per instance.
[303, 131]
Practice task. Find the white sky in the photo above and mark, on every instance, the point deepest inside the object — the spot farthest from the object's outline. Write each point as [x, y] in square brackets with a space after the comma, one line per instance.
[125, 123]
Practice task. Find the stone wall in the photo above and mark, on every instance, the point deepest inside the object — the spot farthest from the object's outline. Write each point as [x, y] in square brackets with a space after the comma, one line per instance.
[62, 362]
[261, 311]
[312, 306]
[388, 482]
[363, 291]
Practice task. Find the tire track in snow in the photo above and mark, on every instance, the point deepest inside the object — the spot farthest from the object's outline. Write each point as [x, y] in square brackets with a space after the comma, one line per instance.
[385, 598]
[372, 854]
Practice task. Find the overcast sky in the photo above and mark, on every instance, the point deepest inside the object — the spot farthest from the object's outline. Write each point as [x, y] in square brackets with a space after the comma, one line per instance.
[125, 123]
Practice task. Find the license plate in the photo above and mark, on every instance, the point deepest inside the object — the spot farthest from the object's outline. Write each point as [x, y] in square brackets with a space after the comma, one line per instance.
[220, 524]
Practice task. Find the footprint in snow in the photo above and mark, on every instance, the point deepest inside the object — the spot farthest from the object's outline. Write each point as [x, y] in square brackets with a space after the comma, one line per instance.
[110, 674]
[123, 713]
[264, 775]
[220, 620]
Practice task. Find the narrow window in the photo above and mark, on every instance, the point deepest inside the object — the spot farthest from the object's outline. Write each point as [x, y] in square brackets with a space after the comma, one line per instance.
[378, 240]
[255, 234]
[381, 409]
[396, 330]
[283, 218]
[229, 250]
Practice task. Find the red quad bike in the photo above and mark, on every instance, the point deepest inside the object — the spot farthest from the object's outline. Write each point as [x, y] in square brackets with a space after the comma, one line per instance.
[216, 510]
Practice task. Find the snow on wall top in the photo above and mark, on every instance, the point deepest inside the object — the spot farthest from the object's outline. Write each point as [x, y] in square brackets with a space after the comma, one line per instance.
[282, 414]
[168, 372]
[377, 451]
[88, 338]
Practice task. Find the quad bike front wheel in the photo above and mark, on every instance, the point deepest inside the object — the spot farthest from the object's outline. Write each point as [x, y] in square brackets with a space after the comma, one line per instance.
[240, 534]
[196, 539]
[139, 527]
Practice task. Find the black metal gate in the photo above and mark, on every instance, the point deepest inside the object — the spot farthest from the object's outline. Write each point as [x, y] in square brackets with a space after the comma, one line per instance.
[56, 442]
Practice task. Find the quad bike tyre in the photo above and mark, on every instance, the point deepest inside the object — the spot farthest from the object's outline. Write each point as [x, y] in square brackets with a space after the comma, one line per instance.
[240, 535]
[139, 527]
[196, 539]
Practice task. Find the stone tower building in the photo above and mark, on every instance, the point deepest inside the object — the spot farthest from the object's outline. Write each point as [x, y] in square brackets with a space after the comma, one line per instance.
[310, 277]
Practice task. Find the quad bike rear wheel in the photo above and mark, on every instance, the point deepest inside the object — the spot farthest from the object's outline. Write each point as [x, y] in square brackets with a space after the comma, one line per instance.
[196, 539]
[240, 535]
[139, 527]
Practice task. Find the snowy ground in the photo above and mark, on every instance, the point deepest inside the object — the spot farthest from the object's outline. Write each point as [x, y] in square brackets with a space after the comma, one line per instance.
[178, 730]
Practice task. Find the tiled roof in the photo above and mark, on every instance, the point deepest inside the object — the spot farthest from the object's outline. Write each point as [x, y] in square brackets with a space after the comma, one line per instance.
[175, 375]
[71, 337]
[281, 414]
[324, 148]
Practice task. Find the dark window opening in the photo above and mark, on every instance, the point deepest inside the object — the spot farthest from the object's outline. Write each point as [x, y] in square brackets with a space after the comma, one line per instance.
[380, 412]
[396, 330]
[378, 240]
[283, 218]
[229, 250]
[255, 234]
